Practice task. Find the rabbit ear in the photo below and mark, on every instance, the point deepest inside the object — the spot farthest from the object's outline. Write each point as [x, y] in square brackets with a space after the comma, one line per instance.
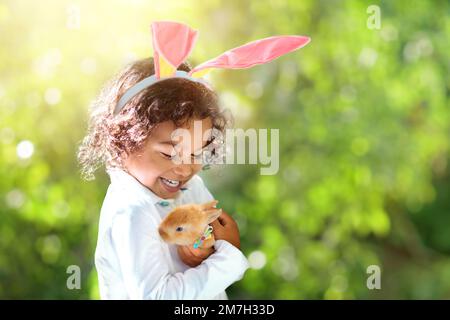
[172, 44]
[253, 53]
[210, 211]
[209, 205]
[212, 214]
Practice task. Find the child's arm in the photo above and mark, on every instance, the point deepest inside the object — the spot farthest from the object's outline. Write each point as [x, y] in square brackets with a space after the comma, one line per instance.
[146, 271]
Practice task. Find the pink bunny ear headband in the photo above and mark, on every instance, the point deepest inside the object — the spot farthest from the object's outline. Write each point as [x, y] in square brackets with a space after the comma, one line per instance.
[173, 42]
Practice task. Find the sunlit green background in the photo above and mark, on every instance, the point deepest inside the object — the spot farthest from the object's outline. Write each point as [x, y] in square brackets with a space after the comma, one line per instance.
[364, 125]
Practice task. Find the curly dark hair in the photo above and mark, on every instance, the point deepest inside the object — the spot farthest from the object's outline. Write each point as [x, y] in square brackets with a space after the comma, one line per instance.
[111, 137]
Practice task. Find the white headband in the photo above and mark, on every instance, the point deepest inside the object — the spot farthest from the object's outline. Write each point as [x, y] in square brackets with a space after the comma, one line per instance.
[147, 82]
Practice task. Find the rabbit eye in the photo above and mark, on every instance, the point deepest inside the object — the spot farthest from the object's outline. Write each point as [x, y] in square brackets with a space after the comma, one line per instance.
[179, 229]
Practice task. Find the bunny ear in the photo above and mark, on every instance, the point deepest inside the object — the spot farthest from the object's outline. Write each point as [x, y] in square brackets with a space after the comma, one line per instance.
[253, 53]
[212, 214]
[209, 205]
[172, 44]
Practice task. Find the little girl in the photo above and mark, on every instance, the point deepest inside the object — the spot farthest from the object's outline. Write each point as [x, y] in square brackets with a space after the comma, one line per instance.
[130, 131]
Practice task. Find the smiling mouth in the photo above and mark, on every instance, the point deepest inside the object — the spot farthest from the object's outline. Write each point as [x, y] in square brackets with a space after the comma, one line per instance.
[172, 185]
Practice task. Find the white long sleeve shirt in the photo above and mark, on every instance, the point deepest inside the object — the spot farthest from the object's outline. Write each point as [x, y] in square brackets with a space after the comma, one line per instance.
[133, 262]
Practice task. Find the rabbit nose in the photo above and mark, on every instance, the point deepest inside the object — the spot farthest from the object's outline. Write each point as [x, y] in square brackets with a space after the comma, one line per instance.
[163, 233]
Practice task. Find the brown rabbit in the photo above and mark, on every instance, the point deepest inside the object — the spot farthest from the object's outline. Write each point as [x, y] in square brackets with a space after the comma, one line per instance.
[186, 224]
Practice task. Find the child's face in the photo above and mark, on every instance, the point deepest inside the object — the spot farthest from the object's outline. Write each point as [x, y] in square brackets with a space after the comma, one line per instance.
[152, 165]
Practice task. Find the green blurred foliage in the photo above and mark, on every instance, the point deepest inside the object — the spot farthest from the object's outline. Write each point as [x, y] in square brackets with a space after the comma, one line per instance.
[364, 125]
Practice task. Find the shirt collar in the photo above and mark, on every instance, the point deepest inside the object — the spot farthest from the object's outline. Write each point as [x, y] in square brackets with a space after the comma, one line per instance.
[126, 180]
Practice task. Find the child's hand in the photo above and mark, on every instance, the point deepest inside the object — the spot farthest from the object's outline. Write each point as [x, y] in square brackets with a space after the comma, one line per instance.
[193, 257]
[226, 228]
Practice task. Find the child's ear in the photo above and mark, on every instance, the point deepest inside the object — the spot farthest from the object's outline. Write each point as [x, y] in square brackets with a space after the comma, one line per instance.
[212, 214]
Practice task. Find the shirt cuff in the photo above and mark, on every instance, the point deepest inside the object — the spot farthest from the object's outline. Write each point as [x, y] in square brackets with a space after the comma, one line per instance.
[241, 263]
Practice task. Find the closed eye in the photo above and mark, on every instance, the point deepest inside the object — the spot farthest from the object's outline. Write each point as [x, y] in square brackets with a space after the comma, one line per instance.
[165, 155]
[199, 153]
[197, 156]
[169, 157]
